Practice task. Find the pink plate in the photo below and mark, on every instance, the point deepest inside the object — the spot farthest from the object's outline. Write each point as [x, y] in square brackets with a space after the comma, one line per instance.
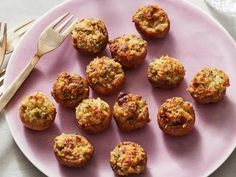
[194, 38]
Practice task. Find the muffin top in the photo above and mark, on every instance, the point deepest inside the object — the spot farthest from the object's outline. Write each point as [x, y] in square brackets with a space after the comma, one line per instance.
[70, 86]
[129, 107]
[128, 158]
[208, 82]
[104, 72]
[37, 107]
[90, 34]
[128, 45]
[72, 147]
[151, 18]
[92, 112]
[176, 112]
[166, 69]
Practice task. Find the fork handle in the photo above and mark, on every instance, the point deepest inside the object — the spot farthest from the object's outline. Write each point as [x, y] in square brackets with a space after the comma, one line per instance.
[15, 85]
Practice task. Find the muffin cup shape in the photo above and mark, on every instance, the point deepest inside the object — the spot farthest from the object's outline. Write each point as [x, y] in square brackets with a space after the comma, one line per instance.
[128, 158]
[72, 150]
[37, 112]
[209, 85]
[129, 50]
[151, 22]
[165, 72]
[130, 112]
[93, 115]
[176, 117]
[70, 89]
[105, 76]
[90, 36]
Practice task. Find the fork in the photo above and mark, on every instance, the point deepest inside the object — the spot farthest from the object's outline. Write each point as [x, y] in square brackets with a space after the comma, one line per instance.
[51, 38]
[13, 37]
[3, 44]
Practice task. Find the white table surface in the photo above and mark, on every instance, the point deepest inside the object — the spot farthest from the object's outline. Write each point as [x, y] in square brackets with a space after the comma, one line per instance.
[12, 162]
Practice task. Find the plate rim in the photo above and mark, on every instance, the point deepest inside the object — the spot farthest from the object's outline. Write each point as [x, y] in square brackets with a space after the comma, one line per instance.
[190, 5]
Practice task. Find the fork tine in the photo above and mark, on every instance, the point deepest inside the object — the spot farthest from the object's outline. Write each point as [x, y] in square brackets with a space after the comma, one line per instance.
[22, 31]
[62, 26]
[55, 22]
[69, 28]
[3, 44]
[20, 26]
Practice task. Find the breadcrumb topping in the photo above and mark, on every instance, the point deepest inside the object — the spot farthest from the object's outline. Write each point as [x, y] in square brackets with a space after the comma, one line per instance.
[92, 112]
[128, 45]
[90, 34]
[176, 112]
[166, 69]
[72, 147]
[105, 72]
[37, 107]
[209, 82]
[130, 107]
[152, 18]
[128, 158]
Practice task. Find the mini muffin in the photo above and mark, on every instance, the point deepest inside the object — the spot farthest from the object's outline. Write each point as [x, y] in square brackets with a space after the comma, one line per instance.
[89, 36]
[151, 21]
[37, 112]
[176, 117]
[104, 75]
[166, 72]
[93, 115]
[209, 85]
[128, 158]
[70, 89]
[72, 150]
[129, 50]
[130, 112]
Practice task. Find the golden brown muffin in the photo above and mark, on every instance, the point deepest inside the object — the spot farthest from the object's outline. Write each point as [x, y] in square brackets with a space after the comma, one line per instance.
[151, 21]
[128, 158]
[70, 89]
[93, 115]
[176, 117]
[104, 75]
[166, 72]
[129, 50]
[37, 112]
[130, 112]
[72, 150]
[89, 36]
[209, 85]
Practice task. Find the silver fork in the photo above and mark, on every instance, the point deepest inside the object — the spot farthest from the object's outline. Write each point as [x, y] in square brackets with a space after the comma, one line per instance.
[51, 38]
[3, 44]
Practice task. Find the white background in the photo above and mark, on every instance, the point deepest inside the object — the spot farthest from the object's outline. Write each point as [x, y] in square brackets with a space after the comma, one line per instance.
[12, 162]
